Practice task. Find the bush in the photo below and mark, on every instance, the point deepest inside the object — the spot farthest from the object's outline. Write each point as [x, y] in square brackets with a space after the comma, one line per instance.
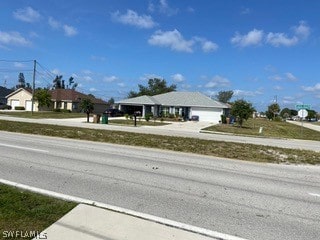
[148, 116]
[223, 119]
[19, 108]
[126, 116]
[62, 110]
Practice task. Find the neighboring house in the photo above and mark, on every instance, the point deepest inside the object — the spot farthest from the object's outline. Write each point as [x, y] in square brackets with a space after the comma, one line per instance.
[22, 98]
[3, 94]
[67, 99]
[70, 99]
[184, 104]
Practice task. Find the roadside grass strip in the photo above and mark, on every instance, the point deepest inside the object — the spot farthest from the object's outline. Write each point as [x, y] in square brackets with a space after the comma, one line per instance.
[23, 215]
[240, 151]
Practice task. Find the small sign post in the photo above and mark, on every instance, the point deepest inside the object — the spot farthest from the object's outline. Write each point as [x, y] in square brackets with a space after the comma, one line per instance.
[302, 113]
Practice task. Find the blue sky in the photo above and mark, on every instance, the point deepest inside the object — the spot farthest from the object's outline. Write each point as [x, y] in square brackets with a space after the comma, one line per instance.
[263, 50]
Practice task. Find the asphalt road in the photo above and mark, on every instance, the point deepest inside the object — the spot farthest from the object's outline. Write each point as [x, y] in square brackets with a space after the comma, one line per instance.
[250, 200]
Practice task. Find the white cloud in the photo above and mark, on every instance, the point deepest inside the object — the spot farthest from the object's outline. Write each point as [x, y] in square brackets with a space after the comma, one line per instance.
[110, 79]
[252, 38]
[278, 88]
[56, 71]
[302, 31]
[13, 38]
[121, 84]
[87, 79]
[132, 18]
[276, 78]
[218, 81]
[312, 88]
[242, 93]
[98, 58]
[172, 39]
[69, 31]
[93, 89]
[281, 39]
[245, 11]
[178, 77]
[166, 9]
[287, 77]
[148, 76]
[53, 23]
[19, 65]
[206, 45]
[27, 14]
[291, 77]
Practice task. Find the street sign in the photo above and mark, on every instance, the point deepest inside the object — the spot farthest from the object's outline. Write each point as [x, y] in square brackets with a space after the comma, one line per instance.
[302, 113]
[303, 106]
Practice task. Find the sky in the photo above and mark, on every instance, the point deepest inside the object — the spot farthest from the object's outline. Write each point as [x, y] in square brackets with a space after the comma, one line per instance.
[266, 51]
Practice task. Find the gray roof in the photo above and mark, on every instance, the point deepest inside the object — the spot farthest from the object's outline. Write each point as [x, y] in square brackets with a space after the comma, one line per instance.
[179, 99]
[142, 100]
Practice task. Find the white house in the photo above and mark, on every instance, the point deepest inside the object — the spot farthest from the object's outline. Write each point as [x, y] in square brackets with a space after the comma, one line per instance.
[184, 104]
[22, 98]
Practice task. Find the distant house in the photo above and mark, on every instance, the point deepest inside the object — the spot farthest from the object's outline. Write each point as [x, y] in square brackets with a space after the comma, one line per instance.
[67, 99]
[70, 99]
[184, 104]
[21, 98]
[3, 93]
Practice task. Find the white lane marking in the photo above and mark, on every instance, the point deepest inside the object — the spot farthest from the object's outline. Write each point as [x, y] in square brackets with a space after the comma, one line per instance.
[24, 148]
[314, 194]
[148, 217]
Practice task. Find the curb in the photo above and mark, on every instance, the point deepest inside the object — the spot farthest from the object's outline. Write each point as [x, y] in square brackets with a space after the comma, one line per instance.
[148, 217]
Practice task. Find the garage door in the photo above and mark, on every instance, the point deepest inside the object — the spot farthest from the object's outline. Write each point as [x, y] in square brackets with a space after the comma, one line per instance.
[28, 105]
[207, 114]
[15, 103]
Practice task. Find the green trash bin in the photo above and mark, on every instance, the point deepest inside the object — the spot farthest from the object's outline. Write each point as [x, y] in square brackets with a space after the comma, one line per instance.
[104, 119]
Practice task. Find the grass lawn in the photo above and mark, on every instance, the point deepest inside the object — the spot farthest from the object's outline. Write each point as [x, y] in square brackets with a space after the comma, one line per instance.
[241, 151]
[58, 115]
[27, 212]
[270, 129]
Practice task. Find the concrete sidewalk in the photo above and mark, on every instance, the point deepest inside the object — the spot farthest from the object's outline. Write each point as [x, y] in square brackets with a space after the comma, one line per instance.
[86, 222]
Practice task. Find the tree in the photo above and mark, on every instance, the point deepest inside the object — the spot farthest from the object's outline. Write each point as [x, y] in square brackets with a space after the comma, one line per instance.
[311, 114]
[21, 81]
[43, 97]
[273, 110]
[285, 113]
[224, 96]
[59, 83]
[87, 106]
[110, 102]
[155, 86]
[242, 110]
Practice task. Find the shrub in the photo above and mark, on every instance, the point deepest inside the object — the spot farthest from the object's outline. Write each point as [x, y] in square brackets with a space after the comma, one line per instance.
[148, 116]
[126, 116]
[19, 108]
[223, 119]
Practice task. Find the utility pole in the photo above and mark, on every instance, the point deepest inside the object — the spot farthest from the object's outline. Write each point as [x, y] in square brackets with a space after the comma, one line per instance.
[33, 84]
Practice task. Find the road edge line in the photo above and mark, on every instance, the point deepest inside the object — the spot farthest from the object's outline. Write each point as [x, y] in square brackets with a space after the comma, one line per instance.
[148, 217]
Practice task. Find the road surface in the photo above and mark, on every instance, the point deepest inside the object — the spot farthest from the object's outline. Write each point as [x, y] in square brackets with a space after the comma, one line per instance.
[250, 200]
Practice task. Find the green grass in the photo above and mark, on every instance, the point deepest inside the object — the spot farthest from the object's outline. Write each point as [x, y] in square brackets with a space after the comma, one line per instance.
[248, 152]
[58, 115]
[270, 129]
[25, 211]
